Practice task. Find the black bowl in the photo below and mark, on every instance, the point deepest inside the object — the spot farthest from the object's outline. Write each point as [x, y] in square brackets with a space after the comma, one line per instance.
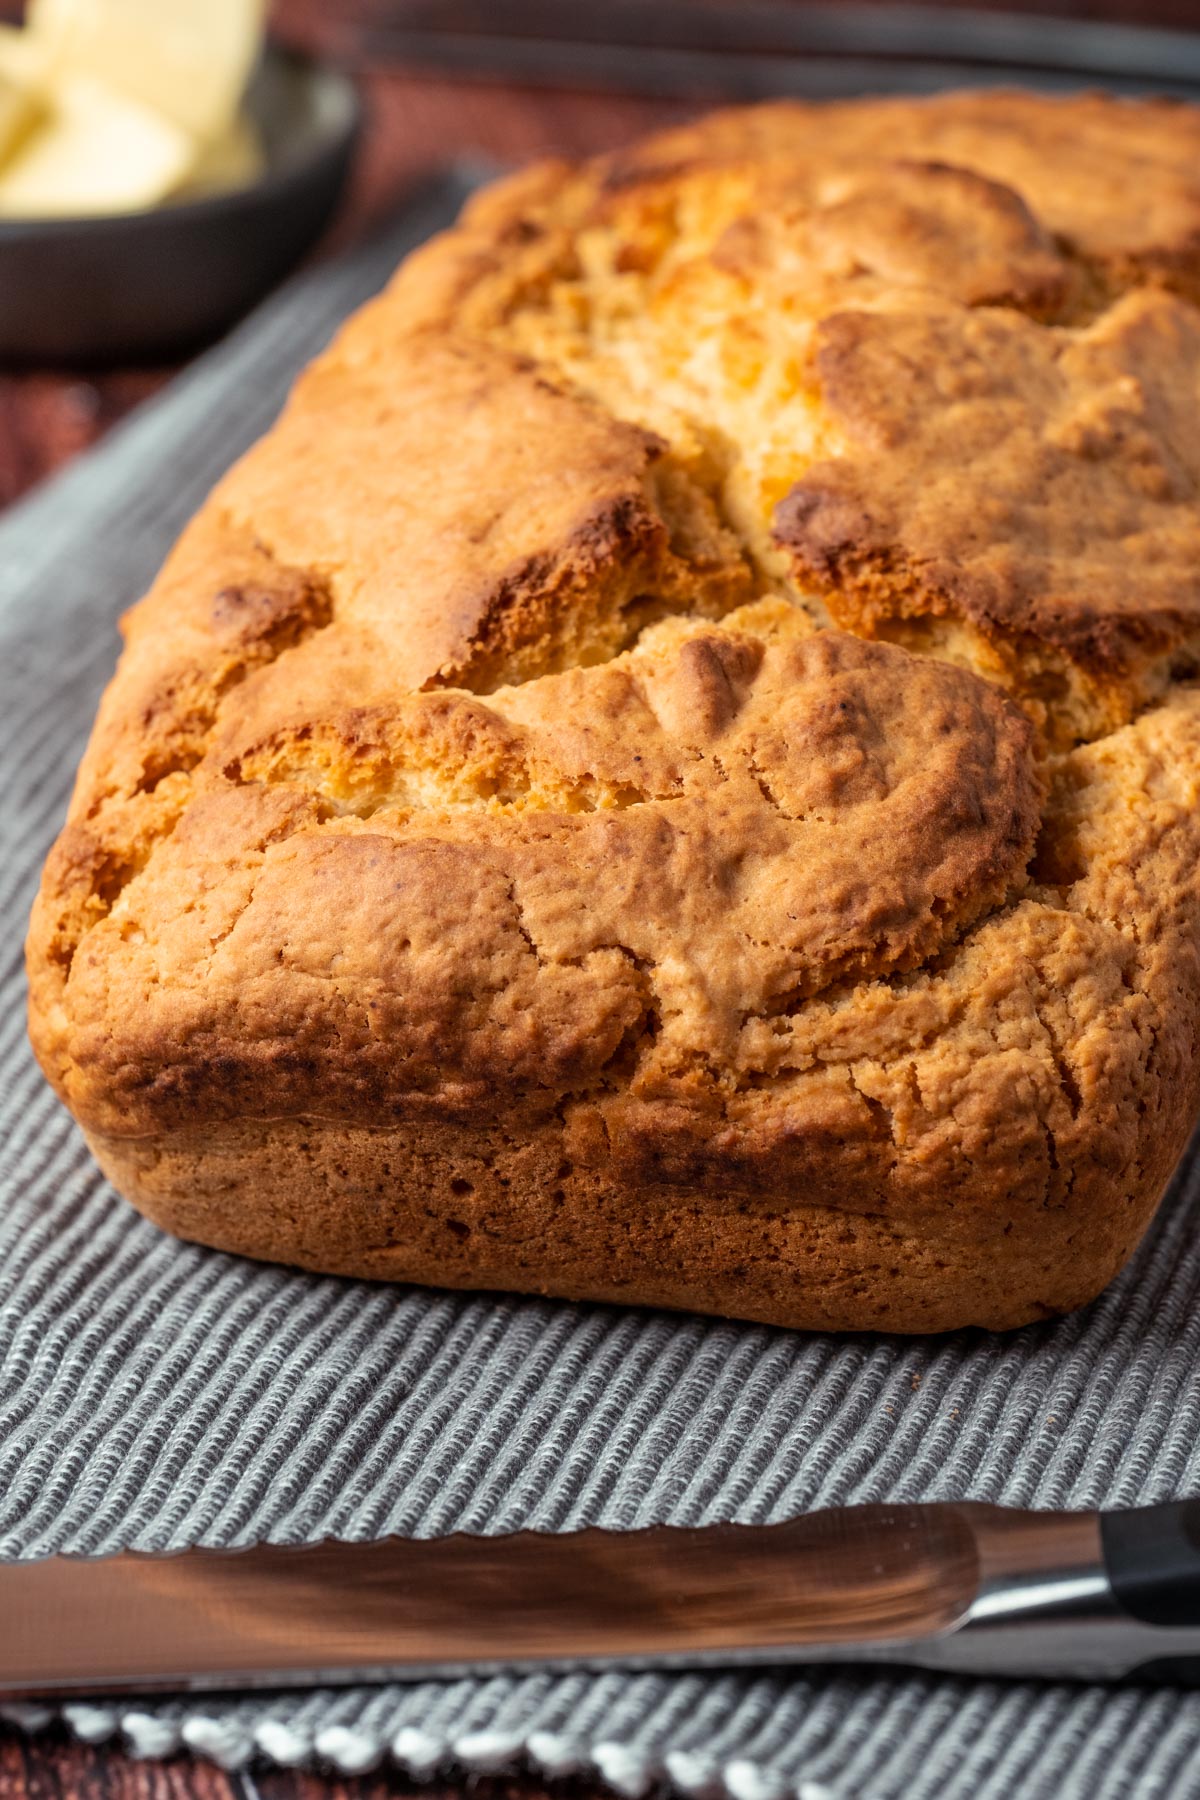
[153, 284]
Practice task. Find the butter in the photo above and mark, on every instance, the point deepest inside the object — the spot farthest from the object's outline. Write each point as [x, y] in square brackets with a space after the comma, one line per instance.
[95, 152]
[22, 105]
[111, 106]
[20, 58]
[186, 59]
[20, 110]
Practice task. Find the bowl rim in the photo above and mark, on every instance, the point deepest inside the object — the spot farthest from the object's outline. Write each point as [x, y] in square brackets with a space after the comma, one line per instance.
[338, 137]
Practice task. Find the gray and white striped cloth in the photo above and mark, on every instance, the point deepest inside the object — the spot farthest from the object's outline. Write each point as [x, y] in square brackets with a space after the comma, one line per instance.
[157, 1395]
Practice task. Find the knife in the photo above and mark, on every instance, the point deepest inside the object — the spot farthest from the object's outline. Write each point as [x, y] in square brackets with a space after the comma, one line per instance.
[966, 1588]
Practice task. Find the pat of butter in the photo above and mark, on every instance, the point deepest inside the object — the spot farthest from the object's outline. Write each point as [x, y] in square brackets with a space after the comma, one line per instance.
[96, 152]
[22, 105]
[20, 58]
[20, 110]
[187, 59]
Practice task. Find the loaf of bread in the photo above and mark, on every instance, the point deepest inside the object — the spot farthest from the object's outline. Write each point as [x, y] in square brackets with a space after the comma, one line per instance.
[670, 775]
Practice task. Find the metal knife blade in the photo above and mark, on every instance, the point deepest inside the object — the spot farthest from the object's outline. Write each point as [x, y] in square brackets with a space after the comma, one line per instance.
[955, 1586]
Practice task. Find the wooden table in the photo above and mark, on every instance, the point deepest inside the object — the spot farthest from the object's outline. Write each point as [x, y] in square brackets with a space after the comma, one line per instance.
[46, 417]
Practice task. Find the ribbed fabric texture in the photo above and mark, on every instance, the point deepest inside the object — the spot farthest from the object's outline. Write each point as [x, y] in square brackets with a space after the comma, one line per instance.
[157, 1395]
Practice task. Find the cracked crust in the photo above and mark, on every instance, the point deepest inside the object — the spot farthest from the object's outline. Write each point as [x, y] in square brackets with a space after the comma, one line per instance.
[558, 822]
[1077, 454]
[389, 898]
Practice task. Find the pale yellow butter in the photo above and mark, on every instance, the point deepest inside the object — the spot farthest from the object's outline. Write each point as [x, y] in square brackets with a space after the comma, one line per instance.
[22, 103]
[95, 152]
[186, 59]
[20, 110]
[20, 58]
[111, 106]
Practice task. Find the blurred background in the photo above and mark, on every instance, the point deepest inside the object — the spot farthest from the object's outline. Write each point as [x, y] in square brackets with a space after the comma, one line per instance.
[441, 80]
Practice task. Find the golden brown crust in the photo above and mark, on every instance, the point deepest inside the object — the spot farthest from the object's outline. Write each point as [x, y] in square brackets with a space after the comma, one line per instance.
[1113, 181]
[1040, 485]
[390, 898]
[490, 866]
[953, 402]
[978, 1142]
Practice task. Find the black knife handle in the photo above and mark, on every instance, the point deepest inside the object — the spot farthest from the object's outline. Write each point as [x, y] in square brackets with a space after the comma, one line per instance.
[1152, 1556]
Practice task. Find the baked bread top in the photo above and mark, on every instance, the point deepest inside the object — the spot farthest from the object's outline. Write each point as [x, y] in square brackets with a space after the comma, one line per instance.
[709, 652]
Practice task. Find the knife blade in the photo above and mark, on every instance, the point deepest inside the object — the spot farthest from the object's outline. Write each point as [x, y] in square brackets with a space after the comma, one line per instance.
[963, 1587]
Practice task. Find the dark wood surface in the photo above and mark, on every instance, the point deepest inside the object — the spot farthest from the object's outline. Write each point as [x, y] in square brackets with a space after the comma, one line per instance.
[47, 417]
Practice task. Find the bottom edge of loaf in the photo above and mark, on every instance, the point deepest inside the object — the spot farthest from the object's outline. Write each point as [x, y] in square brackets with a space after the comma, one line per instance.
[471, 1209]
